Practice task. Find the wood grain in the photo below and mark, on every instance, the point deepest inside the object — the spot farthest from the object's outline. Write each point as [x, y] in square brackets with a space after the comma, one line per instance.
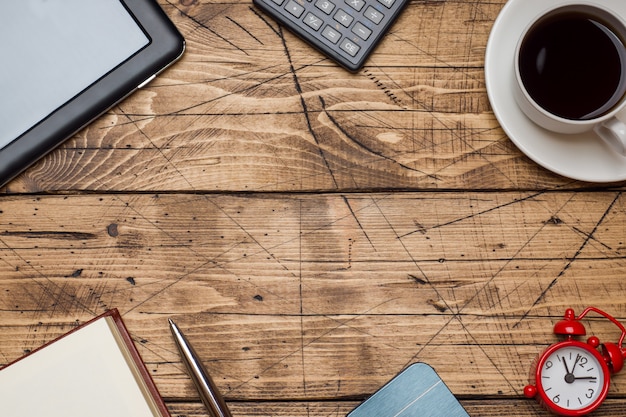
[314, 231]
[317, 296]
[252, 108]
[340, 409]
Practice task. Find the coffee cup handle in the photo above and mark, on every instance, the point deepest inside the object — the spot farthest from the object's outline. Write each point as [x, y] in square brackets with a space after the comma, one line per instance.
[613, 132]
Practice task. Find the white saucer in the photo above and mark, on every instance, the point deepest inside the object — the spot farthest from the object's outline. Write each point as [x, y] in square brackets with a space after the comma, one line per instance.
[581, 157]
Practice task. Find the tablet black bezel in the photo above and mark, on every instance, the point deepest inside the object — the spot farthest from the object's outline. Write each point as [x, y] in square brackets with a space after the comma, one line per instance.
[166, 46]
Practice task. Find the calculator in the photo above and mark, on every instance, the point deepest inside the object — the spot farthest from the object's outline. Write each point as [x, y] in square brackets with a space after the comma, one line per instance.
[345, 30]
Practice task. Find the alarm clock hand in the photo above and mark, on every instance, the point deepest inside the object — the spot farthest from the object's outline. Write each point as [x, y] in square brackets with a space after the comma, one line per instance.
[569, 376]
[585, 377]
[567, 372]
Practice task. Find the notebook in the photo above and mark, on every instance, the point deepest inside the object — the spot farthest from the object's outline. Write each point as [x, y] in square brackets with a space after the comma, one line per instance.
[416, 392]
[92, 371]
[65, 62]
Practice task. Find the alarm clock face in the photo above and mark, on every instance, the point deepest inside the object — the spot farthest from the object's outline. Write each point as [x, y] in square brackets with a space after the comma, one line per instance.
[572, 377]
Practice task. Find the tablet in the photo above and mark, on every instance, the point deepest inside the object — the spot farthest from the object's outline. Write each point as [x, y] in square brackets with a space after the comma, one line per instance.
[66, 62]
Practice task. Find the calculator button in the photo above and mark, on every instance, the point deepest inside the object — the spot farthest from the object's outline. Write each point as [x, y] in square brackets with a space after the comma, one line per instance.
[356, 4]
[373, 15]
[345, 30]
[313, 21]
[342, 17]
[349, 47]
[361, 31]
[294, 8]
[324, 5]
[387, 3]
[331, 34]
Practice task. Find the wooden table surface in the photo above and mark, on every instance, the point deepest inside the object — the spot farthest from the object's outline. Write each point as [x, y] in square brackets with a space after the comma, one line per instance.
[311, 230]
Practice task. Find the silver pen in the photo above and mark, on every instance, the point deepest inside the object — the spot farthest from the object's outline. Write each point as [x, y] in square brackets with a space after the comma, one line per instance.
[210, 396]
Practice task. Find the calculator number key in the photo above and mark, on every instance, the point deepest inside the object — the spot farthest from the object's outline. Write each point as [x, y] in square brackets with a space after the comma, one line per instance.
[325, 6]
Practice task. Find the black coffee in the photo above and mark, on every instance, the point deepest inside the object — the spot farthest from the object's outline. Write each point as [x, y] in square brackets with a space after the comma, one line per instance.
[573, 65]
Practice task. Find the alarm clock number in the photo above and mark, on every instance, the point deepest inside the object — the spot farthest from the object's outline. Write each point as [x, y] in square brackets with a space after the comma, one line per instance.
[571, 378]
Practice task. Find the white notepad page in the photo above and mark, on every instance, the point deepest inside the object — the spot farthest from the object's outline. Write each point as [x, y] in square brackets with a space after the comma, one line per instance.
[83, 374]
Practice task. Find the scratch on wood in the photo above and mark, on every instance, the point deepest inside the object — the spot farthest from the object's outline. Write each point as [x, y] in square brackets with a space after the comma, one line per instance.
[587, 239]
[356, 219]
[384, 88]
[204, 26]
[267, 22]
[460, 219]
[305, 110]
[371, 151]
[244, 29]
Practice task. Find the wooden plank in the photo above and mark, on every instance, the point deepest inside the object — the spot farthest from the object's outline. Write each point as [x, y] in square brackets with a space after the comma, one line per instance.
[317, 296]
[254, 193]
[252, 108]
[484, 408]
[325, 357]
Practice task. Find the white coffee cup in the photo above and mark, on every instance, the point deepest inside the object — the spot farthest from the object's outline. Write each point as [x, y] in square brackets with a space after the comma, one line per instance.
[544, 62]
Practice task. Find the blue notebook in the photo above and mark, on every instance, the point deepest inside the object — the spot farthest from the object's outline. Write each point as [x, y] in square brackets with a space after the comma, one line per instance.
[416, 392]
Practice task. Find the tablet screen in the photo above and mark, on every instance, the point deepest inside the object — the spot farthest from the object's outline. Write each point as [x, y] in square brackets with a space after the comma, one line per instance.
[54, 49]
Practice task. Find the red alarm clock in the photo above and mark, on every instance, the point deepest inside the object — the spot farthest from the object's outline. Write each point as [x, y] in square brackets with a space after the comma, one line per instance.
[572, 378]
